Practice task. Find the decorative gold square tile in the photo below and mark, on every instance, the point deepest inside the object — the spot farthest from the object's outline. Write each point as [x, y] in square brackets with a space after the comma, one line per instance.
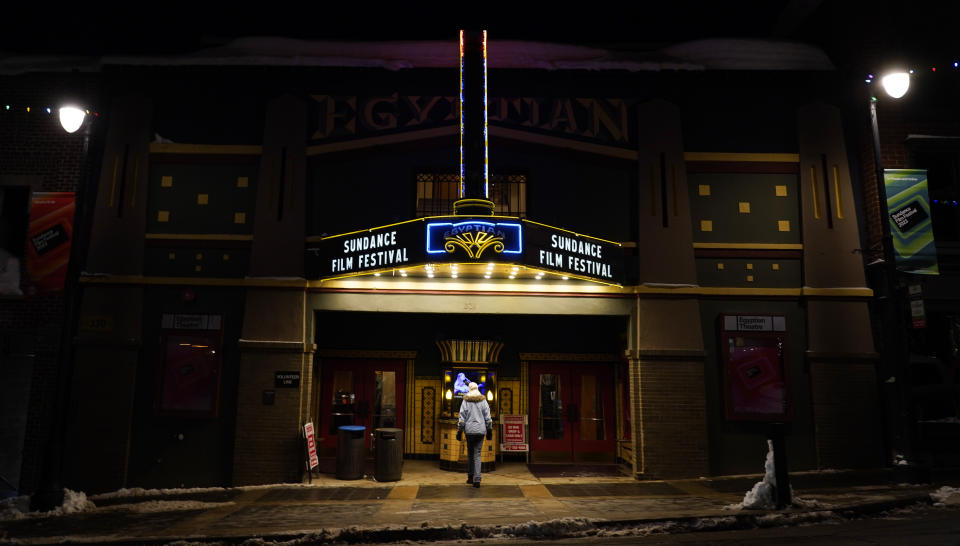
[781, 191]
[172, 256]
[775, 267]
[197, 267]
[783, 225]
[226, 257]
[166, 181]
[706, 225]
[744, 207]
[239, 218]
[720, 266]
[199, 255]
[203, 198]
[242, 182]
[749, 278]
[163, 215]
[749, 266]
[703, 190]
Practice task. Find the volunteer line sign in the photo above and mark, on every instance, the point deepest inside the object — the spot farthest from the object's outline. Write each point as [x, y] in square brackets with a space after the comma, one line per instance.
[465, 240]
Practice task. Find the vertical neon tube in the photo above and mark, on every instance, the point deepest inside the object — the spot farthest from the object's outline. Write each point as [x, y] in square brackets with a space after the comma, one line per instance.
[486, 160]
[462, 174]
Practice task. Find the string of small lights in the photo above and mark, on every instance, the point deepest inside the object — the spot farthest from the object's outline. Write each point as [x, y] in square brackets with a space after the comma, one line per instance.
[955, 65]
[7, 107]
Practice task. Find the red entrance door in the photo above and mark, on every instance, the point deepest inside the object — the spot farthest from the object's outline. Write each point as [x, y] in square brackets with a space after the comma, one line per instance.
[571, 415]
[368, 393]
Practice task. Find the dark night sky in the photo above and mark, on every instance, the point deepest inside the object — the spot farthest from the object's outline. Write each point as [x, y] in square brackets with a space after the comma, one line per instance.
[841, 27]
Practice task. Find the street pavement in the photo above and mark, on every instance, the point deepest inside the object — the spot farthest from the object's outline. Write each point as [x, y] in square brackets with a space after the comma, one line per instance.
[430, 504]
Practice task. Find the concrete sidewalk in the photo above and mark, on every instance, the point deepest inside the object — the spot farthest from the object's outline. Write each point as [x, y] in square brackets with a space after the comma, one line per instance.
[428, 504]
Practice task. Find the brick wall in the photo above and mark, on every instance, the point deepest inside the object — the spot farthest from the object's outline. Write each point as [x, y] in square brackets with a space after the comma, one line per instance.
[35, 149]
[845, 406]
[671, 425]
[268, 445]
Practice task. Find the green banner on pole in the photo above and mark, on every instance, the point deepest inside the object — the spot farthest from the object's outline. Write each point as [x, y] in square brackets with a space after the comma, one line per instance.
[908, 211]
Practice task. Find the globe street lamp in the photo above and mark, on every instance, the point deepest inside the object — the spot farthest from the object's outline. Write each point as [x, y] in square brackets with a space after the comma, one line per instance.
[895, 84]
[71, 118]
[50, 491]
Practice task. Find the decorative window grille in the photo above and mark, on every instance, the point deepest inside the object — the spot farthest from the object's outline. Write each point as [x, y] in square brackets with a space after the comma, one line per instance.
[437, 192]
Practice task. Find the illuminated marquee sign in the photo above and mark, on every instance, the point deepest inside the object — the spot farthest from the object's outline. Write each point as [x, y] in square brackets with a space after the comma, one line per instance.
[374, 249]
[567, 252]
[464, 239]
[474, 239]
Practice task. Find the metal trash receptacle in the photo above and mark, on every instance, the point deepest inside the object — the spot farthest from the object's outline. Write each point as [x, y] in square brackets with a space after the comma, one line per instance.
[350, 452]
[389, 454]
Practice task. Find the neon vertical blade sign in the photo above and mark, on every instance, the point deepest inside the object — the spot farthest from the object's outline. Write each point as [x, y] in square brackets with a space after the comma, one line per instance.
[462, 173]
[486, 159]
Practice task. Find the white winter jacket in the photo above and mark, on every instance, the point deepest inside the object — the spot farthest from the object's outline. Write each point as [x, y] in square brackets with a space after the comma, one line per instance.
[474, 413]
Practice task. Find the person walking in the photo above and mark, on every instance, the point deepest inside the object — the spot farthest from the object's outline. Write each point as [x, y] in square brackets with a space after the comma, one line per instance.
[476, 423]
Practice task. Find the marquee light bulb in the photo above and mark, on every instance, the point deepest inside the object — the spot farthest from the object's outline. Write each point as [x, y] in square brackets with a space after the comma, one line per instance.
[71, 118]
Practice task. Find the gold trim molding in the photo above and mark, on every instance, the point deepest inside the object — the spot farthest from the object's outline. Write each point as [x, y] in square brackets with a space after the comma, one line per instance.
[365, 353]
[570, 357]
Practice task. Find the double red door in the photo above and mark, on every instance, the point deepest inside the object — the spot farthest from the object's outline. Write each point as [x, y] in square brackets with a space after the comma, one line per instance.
[361, 392]
[571, 412]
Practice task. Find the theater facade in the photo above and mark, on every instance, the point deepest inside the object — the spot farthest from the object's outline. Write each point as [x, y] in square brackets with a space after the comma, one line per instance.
[659, 268]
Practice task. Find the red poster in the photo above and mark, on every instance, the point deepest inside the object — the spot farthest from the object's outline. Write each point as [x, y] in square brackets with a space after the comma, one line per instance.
[48, 241]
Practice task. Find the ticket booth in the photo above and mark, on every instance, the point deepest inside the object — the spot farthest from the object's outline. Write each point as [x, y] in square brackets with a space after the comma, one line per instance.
[465, 362]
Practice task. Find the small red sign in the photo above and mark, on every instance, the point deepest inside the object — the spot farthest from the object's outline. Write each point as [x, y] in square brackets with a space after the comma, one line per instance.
[313, 461]
[514, 433]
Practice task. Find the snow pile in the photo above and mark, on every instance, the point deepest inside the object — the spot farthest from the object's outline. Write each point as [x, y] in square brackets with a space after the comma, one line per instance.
[555, 528]
[14, 508]
[900, 460]
[763, 496]
[19, 507]
[946, 495]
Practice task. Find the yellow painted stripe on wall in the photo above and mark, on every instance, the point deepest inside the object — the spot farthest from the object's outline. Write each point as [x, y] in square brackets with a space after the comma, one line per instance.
[751, 246]
[200, 236]
[208, 149]
[738, 157]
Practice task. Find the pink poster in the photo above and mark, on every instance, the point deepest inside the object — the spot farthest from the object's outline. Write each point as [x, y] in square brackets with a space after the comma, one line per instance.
[755, 378]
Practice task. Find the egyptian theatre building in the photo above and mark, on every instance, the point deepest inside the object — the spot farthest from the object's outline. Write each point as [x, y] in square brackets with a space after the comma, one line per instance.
[652, 260]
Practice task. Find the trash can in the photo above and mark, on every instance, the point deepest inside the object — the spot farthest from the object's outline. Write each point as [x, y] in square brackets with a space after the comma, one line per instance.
[389, 454]
[350, 452]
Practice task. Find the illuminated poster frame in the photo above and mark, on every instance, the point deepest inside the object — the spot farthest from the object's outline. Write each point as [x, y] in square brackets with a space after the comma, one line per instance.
[753, 358]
